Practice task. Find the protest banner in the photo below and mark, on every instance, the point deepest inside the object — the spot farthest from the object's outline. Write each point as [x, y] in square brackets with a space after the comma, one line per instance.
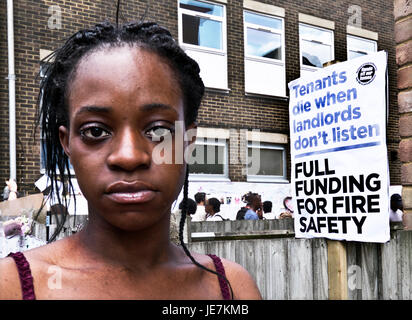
[338, 151]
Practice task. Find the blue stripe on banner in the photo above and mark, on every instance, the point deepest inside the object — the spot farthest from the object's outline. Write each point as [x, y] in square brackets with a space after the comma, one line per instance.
[355, 146]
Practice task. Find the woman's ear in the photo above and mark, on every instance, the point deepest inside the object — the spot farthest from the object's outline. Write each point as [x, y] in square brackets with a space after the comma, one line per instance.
[64, 139]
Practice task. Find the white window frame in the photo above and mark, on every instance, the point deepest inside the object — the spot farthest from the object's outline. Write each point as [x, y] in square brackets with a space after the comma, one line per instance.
[212, 62]
[262, 60]
[301, 38]
[375, 43]
[267, 29]
[222, 19]
[205, 141]
[267, 178]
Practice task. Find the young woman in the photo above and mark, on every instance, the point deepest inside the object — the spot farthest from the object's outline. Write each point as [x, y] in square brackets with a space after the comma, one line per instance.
[212, 208]
[108, 98]
[254, 205]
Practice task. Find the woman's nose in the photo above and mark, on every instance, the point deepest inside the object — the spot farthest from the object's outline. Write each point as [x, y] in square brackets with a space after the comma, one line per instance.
[130, 151]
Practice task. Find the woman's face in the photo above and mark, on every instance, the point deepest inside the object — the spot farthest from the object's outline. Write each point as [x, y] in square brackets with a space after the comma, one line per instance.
[209, 208]
[121, 100]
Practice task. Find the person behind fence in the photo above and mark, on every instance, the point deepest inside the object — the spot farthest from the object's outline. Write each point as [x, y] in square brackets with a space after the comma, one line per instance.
[109, 96]
[267, 210]
[288, 210]
[254, 205]
[396, 208]
[213, 209]
[200, 214]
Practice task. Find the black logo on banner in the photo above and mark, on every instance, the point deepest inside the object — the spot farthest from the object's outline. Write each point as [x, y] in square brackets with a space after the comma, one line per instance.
[366, 73]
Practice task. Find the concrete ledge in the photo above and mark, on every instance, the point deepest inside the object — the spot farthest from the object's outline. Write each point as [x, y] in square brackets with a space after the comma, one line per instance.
[217, 133]
[267, 137]
[315, 21]
[363, 33]
[264, 8]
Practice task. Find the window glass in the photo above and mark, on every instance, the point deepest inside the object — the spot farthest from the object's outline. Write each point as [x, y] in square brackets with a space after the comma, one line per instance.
[270, 160]
[263, 20]
[263, 44]
[209, 159]
[312, 33]
[202, 7]
[315, 54]
[202, 31]
[359, 47]
[316, 46]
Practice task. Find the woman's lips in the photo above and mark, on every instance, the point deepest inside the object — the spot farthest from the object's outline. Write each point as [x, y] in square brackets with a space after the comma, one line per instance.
[136, 197]
[136, 192]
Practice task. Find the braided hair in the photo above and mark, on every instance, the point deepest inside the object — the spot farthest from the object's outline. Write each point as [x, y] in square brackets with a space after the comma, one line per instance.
[53, 108]
[182, 225]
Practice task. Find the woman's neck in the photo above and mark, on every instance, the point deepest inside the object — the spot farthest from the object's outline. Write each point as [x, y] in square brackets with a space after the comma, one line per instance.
[142, 249]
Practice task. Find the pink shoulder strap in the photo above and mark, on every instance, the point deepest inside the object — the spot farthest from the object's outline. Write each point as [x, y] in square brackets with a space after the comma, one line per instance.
[26, 279]
[224, 288]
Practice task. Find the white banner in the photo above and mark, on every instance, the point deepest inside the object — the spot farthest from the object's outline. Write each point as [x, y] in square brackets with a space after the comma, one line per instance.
[338, 151]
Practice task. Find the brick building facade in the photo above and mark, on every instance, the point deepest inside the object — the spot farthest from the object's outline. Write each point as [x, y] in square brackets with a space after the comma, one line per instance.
[403, 37]
[228, 107]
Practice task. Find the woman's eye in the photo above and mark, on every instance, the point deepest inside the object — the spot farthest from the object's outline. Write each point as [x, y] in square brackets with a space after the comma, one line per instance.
[94, 133]
[157, 133]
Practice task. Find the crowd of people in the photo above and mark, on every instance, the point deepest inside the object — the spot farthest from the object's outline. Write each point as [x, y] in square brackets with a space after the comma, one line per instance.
[208, 209]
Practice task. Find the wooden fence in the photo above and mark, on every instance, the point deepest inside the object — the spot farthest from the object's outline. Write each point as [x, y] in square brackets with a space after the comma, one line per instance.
[288, 268]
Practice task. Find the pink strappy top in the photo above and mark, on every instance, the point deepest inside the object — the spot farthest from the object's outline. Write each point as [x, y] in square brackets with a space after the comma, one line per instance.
[26, 278]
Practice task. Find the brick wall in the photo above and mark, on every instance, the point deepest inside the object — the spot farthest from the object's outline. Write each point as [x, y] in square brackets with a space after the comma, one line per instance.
[219, 109]
[403, 37]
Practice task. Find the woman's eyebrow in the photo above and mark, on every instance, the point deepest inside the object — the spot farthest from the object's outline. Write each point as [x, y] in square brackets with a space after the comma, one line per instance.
[158, 106]
[94, 109]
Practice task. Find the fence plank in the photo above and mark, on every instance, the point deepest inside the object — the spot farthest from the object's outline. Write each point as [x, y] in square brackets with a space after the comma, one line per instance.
[390, 257]
[354, 273]
[369, 267]
[278, 270]
[405, 251]
[300, 269]
[337, 270]
[320, 270]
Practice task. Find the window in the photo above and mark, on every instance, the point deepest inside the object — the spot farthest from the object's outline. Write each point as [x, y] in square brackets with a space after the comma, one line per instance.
[209, 159]
[202, 24]
[266, 162]
[43, 154]
[359, 46]
[316, 47]
[202, 34]
[264, 54]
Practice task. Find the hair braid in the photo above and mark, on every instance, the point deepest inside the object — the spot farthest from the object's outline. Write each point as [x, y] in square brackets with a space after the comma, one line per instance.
[181, 228]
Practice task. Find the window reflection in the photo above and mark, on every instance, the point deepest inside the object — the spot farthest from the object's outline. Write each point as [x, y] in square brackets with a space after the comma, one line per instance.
[316, 46]
[263, 21]
[358, 47]
[202, 7]
[202, 32]
[263, 44]
[270, 161]
[208, 159]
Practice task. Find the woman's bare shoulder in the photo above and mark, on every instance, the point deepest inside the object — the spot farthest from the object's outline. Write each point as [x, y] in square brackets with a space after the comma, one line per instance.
[38, 258]
[243, 285]
[10, 288]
